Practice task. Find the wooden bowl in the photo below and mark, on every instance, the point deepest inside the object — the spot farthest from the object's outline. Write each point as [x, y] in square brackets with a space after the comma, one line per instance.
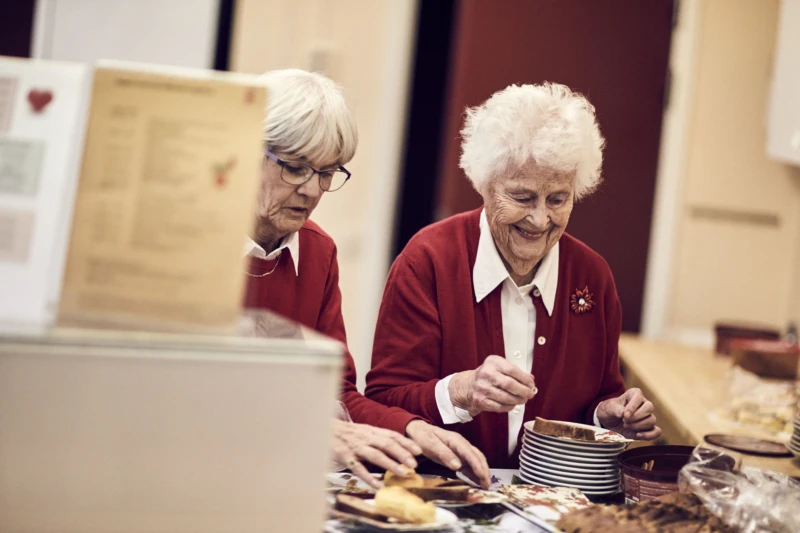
[726, 332]
[766, 358]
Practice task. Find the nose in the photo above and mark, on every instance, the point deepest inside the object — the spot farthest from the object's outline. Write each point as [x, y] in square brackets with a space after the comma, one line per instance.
[539, 216]
[311, 188]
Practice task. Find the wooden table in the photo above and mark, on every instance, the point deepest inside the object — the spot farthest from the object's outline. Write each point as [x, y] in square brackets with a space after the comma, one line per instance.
[685, 384]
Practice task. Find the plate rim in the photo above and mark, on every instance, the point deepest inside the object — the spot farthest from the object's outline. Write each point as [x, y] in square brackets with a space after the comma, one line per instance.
[560, 462]
[576, 485]
[578, 459]
[600, 482]
[531, 423]
[578, 443]
[597, 453]
[555, 467]
[452, 519]
[585, 492]
[577, 475]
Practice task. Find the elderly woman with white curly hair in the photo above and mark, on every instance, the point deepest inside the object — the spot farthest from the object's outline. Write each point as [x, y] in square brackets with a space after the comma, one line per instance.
[493, 317]
[309, 135]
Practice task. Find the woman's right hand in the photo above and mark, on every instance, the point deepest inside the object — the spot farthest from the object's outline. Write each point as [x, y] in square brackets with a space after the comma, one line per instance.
[354, 443]
[497, 386]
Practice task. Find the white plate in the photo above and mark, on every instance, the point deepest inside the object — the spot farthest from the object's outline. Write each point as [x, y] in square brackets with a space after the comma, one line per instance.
[541, 452]
[605, 489]
[602, 435]
[569, 481]
[570, 470]
[588, 492]
[444, 520]
[573, 464]
[581, 444]
[538, 444]
[576, 476]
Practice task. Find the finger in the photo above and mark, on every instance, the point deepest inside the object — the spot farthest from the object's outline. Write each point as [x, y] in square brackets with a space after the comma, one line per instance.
[361, 472]
[644, 424]
[441, 453]
[516, 373]
[634, 401]
[644, 410]
[512, 386]
[412, 447]
[378, 458]
[393, 449]
[471, 456]
[653, 434]
[487, 404]
[504, 397]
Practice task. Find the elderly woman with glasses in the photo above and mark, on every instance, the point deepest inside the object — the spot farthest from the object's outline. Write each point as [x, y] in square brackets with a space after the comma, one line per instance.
[493, 317]
[309, 134]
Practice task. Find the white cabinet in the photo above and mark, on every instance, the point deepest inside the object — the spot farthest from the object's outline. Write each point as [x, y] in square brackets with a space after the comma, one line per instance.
[783, 126]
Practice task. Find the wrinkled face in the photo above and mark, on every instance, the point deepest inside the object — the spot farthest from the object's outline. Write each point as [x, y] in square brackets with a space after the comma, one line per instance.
[527, 211]
[284, 208]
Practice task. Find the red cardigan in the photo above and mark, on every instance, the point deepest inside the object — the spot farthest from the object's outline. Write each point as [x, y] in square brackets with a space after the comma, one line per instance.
[312, 298]
[430, 326]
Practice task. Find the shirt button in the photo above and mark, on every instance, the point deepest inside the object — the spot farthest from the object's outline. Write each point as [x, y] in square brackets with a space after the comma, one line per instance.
[541, 341]
[516, 410]
[519, 300]
[536, 293]
[518, 354]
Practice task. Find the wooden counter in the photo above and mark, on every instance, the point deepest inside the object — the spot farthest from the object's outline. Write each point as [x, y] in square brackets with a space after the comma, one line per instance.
[685, 384]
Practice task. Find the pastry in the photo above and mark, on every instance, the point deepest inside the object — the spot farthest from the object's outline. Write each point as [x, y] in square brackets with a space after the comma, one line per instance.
[354, 505]
[412, 480]
[562, 430]
[398, 503]
[452, 490]
[672, 513]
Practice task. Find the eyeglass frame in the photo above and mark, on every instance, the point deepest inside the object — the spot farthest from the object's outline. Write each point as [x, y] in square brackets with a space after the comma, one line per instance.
[280, 162]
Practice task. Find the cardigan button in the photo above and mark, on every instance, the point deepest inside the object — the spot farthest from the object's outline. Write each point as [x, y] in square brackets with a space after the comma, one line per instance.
[541, 341]
[537, 292]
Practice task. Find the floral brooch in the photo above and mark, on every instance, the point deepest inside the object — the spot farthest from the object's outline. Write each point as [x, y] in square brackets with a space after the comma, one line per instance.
[581, 301]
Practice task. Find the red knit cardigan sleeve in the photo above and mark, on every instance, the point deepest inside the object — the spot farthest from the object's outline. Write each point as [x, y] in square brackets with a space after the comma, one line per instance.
[330, 322]
[407, 351]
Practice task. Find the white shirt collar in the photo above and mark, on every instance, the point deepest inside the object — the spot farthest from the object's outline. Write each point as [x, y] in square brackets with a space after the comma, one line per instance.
[291, 243]
[489, 270]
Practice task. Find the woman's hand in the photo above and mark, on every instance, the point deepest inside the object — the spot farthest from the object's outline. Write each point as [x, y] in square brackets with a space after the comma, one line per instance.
[496, 386]
[451, 450]
[631, 415]
[354, 443]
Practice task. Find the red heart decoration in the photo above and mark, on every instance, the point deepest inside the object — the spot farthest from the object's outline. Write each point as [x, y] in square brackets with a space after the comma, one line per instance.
[39, 99]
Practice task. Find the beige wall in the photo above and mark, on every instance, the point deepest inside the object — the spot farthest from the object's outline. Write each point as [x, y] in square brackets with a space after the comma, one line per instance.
[365, 46]
[728, 269]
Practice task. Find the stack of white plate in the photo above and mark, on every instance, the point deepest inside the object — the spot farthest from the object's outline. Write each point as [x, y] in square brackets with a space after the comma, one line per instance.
[794, 443]
[591, 467]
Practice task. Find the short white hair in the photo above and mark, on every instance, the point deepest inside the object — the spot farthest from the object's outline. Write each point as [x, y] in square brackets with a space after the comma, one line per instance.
[548, 124]
[307, 116]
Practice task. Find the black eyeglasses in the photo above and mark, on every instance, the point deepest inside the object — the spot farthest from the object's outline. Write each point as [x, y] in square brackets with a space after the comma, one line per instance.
[296, 174]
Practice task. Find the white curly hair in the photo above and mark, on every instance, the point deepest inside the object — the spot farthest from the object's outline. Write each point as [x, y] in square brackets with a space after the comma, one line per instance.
[548, 124]
[307, 116]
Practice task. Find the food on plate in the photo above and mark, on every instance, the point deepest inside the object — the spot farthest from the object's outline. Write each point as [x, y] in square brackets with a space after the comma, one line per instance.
[562, 430]
[412, 480]
[672, 513]
[453, 490]
[396, 502]
[354, 505]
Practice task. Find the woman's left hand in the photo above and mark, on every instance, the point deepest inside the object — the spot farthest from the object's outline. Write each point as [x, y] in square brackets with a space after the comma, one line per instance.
[631, 415]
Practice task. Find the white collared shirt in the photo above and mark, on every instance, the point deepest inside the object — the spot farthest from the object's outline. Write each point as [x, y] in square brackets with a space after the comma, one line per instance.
[518, 315]
[290, 243]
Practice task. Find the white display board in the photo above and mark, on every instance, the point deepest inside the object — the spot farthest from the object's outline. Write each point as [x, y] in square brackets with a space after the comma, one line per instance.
[42, 122]
[165, 32]
[783, 131]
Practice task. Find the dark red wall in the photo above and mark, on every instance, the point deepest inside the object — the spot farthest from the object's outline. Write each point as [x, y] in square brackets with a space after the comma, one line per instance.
[616, 53]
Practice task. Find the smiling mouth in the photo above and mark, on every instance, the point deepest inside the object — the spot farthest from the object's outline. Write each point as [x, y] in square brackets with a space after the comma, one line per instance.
[529, 235]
